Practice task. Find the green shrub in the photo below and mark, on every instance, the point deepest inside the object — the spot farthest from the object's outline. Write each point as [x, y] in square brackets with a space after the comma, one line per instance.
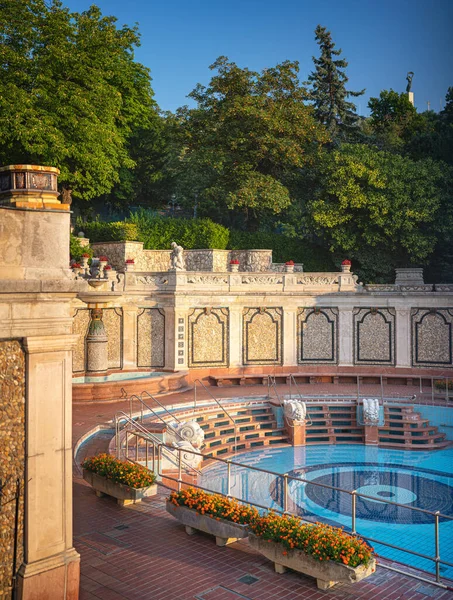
[314, 258]
[76, 250]
[118, 231]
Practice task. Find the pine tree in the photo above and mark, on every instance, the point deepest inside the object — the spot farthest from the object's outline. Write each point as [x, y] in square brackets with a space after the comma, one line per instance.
[328, 93]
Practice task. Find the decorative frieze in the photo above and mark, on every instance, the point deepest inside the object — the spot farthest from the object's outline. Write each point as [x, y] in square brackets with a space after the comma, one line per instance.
[317, 335]
[432, 339]
[262, 336]
[151, 337]
[374, 336]
[209, 337]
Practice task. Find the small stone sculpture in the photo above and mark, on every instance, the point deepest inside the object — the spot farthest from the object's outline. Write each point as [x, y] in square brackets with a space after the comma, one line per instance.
[294, 410]
[187, 456]
[371, 411]
[177, 259]
[189, 431]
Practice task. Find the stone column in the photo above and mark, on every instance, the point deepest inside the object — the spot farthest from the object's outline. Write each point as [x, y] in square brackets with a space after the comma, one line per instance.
[290, 337]
[97, 350]
[345, 337]
[130, 336]
[235, 340]
[403, 338]
[51, 565]
[176, 350]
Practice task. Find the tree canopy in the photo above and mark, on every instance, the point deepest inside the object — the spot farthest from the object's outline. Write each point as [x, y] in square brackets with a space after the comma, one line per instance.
[71, 93]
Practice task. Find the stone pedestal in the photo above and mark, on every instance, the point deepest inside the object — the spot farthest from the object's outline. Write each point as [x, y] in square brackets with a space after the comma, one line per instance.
[97, 350]
[371, 435]
[409, 276]
[296, 431]
[346, 341]
[410, 97]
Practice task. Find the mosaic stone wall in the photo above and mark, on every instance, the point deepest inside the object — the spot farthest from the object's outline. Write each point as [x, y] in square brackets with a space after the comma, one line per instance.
[374, 336]
[317, 335]
[432, 337]
[113, 323]
[208, 337]
[262, 336]
[80, 324]
[150, 337]
[12, 456]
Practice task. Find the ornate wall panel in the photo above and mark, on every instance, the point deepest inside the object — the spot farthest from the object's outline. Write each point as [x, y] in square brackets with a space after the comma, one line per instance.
[208, 337]
[150, 337]
[80, 323]
[432, 337]
[12, 456]
[374, 336]
[113, 323]
[317, 335]
[262, 336]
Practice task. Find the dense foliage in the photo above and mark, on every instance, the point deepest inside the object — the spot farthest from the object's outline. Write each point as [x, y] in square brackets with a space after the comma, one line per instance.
[119, 471]
[76, 250]
[320, 541]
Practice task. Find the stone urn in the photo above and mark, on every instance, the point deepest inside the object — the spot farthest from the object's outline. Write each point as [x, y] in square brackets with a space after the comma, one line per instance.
[346, 266]
[289, 266]
[234, 266]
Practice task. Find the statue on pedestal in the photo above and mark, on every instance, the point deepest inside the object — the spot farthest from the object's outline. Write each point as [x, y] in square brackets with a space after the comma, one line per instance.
[177, 259]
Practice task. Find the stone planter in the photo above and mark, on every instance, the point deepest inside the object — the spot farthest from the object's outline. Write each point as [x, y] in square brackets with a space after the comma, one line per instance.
[123, 494]
[225, 532]
[327, 573]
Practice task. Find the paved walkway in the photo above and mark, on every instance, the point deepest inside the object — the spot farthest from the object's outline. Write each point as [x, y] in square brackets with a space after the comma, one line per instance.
[141, 553]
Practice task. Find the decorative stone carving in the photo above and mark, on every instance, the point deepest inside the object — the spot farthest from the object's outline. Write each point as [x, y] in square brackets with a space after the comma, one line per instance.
[189, 431]
[177, 258]
[374, 336]
[262, 336]
[208, 337]
[207, 279]
[321, 279]
[187, 456]
[317, 335]
[295, 410]
[97, 349]
[371, 411]
[262, 279]
[432, 338]
[157, 280]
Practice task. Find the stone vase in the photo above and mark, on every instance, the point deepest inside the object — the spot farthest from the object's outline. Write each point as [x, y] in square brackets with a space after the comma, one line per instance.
[225, 532]
[327, 573]
[234, 268]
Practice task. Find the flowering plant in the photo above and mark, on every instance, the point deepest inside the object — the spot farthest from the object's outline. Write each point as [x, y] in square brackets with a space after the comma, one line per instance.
[107, 268]
[119, 471]
[290, 263]
[214, 505]
[86, 255]
[103, 259]
[75, 265]
[346, 262]
[320, 541]
[234, 261]
[130, 261]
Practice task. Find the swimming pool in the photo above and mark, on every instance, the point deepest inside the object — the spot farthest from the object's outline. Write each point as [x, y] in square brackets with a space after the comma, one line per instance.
[422, 479]
[124, 376]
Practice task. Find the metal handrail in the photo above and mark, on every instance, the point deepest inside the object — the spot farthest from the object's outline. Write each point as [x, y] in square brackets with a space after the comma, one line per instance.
[271, 383]
[144, 434]
[354, 495]
[161, 405]
[221, 408]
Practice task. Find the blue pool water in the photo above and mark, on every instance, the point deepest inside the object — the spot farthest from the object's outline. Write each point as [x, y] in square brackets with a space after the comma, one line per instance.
[116, 377]
[419, 479]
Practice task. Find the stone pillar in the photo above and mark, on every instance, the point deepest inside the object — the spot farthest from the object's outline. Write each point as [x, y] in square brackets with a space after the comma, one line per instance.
[371, 435]
[51, 565]
[176, 350]
[403, 338]
[130, 336]
[97, 350]
[296, 431]
[235, 340]
[345, 337]
[290, 337]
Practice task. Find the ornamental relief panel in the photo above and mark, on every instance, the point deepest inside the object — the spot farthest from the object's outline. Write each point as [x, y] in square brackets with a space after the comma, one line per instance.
[317, 337]
[262, 335]
[432, 337]
[80, 322]
[150, 337]
[374, 336]
[113, 323]
[208, 337]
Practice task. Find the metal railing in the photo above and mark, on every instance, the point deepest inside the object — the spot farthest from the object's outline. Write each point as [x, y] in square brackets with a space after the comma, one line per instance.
[164, 408]
[272, 383]
[220, 406]
[286, 479]
[292, 381]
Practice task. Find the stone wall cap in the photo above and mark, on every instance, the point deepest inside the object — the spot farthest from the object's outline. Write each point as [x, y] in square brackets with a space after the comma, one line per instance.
[30, 168]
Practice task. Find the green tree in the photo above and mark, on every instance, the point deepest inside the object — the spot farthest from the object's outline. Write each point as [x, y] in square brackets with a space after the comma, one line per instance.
[381, 209]
[329, 93]
[71, 94]
[242, 145]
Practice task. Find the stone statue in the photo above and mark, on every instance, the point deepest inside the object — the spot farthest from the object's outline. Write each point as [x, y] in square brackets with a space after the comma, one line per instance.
[189, 431]
[295, 410]
[371, 411]
[177, 260]
[409, 78]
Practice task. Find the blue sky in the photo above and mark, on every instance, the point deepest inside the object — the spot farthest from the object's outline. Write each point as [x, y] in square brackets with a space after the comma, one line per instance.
[381, 39]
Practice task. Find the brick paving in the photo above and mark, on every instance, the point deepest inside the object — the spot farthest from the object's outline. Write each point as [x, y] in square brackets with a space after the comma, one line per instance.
[141, 553]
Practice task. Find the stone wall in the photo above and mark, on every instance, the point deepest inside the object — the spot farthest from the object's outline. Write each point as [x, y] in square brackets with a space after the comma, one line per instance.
[432, 337]
[150, 338]
[262, 336]
[208, 337]
[12, 456]
[317, 335]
